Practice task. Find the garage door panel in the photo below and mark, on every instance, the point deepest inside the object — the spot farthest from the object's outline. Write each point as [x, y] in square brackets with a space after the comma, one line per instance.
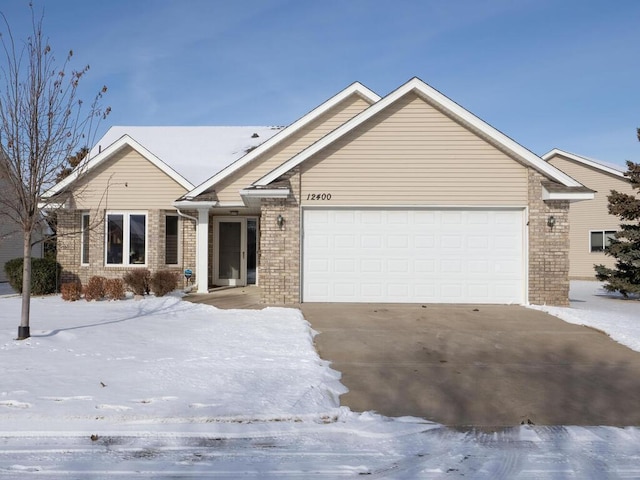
[451, 256]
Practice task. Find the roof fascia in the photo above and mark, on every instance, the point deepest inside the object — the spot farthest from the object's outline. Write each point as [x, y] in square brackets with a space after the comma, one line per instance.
[266, 193]
[572, 196]
[252, 197]
[194, 204]
[444, 103]
[585, 161]
[354, 88]
[112, 149]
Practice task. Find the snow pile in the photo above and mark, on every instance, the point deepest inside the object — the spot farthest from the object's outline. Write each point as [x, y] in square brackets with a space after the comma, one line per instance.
[594, 307]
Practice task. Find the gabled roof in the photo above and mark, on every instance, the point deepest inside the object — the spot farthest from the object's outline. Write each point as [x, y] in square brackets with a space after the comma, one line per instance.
[597, 164]
[92, 162]
[186, 154]
[450, 108]
[196, 152]
[354, 88]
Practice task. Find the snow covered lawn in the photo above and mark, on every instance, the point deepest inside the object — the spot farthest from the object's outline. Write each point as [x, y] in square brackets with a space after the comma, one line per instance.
[593, 306]
[164, 388]
[159, 360]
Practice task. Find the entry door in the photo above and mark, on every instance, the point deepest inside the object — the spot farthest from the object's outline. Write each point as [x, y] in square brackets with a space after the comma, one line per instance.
[230, 251]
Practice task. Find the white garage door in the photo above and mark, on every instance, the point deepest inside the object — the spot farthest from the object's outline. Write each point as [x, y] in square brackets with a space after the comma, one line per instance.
[413, 256]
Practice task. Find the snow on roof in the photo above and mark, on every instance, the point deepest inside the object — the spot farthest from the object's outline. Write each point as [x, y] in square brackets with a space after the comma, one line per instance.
[196, 153]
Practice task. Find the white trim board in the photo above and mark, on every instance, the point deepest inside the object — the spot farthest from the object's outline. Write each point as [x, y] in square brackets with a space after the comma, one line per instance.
[356, 88]
[90, 163]
[585, 161]
[449, 107]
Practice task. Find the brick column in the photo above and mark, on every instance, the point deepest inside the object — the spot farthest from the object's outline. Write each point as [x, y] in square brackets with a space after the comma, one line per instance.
[280, 247]
[548, 247]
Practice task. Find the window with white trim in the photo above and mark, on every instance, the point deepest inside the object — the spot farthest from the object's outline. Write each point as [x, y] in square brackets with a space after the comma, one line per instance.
[84, 244]
[126, 238]
[171, 239]
[600, 239]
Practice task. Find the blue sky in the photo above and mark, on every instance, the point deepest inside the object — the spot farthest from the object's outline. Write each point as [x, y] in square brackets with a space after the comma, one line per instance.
[548, 73]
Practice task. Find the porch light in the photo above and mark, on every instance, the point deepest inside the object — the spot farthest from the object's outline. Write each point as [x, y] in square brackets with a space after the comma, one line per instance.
[234, 212]
[551, 221]
[280, 221]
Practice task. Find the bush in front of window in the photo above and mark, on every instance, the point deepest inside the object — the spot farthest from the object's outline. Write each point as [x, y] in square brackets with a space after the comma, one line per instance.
[114, 289]
[163, 282]
[71, 291]
[94, 289]
[45, 273]
[138, 281]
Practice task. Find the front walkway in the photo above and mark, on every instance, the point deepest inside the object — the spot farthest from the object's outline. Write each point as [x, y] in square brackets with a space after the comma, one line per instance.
[246, 298]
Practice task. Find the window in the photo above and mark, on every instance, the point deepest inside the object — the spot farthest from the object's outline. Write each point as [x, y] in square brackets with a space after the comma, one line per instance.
[126, 241]
[601, 239]
[84, 245]
[171, 240]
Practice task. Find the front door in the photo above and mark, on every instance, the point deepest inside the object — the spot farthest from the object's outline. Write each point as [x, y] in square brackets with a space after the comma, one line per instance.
[230, 251]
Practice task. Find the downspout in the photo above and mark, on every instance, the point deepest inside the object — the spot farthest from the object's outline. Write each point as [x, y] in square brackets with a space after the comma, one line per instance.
[195, 221]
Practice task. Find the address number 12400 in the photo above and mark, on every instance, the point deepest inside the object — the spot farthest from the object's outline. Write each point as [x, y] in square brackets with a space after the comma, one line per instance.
[319, 196]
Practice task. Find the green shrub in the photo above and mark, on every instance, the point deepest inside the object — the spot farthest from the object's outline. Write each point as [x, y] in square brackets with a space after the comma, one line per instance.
[71, 291]
[45, 273]
[137, 281]
[163, 282]
[114, 289]
[95, 288]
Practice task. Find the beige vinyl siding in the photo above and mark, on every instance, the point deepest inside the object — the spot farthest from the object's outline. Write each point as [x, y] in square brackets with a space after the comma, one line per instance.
[10, 244]
[412, 154]
[589, 215]
[227, 190]
[127, 181]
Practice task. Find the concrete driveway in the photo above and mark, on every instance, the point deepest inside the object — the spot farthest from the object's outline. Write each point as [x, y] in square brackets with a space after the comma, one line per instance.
[477, 365]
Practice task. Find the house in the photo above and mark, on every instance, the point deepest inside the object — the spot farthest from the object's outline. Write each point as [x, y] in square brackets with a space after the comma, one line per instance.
[11, 237]
[405, 198]
[11, 244]
[591, 225]
[118, 208]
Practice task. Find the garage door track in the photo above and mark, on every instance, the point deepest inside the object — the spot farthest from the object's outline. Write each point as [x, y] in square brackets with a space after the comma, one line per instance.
[481, 365]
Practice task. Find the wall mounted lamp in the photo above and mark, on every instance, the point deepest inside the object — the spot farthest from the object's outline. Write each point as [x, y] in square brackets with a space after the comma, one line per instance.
[551, 221]
[280, 221]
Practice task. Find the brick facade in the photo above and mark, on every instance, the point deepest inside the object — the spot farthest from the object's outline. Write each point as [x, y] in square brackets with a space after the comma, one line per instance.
[69, 246]
[279, 262]
[548, 247]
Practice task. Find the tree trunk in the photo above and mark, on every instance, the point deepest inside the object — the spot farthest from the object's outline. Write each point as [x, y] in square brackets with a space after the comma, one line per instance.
[23, 329]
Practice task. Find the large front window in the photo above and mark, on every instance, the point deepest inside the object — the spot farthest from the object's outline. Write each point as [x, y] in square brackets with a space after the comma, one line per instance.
[126, 241]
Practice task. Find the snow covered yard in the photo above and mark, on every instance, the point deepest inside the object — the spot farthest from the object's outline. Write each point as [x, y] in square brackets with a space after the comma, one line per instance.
[164, 388]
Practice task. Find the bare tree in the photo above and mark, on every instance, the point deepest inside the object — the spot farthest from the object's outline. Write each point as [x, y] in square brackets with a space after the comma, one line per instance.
[42, 121]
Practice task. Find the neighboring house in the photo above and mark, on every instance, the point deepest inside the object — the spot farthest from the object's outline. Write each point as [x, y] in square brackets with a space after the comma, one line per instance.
[11, 238]
[591, 224]
[11, 245]
[406, 198]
